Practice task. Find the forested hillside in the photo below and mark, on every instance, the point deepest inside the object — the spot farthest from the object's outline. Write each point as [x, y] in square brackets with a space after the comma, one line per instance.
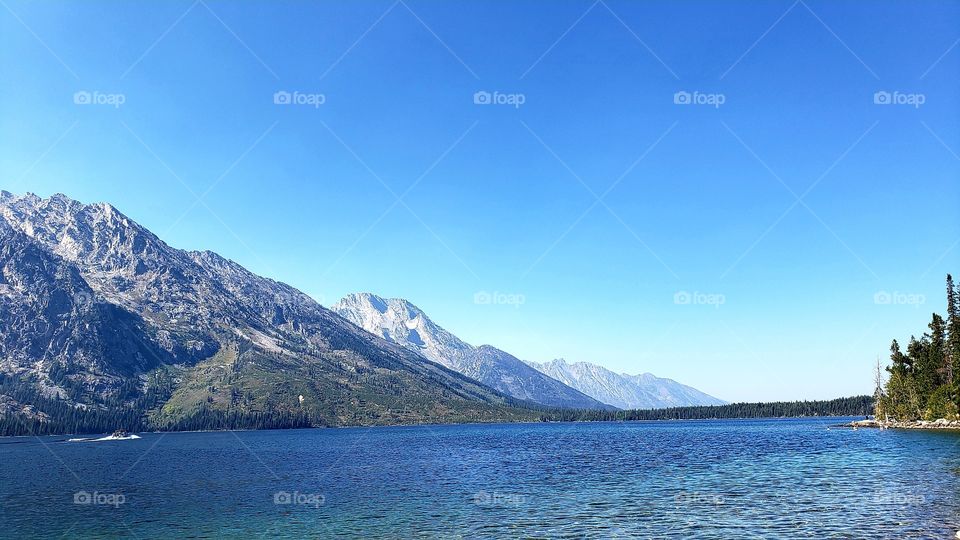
[849, 406]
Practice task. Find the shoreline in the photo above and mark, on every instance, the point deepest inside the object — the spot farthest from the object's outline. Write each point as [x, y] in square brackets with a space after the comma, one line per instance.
[940, 425]
[433, 424]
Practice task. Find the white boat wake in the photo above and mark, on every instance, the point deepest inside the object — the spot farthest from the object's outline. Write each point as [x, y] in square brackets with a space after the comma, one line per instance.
[107, 438]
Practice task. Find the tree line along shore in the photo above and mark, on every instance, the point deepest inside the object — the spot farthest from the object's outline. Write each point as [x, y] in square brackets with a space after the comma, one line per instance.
[78, 421]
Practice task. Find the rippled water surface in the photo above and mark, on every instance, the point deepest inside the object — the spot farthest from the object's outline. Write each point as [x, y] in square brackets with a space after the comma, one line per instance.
[717, 479]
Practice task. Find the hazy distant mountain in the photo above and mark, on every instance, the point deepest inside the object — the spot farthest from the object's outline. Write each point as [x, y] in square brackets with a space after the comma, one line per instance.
[100, 317]
[401, 322]
[625, 391]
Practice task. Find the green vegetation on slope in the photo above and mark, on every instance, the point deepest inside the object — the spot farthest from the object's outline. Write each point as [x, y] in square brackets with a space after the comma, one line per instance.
[244, 387]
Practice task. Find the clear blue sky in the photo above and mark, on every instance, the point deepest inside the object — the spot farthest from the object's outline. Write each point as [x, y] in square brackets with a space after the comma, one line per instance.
[703, 198]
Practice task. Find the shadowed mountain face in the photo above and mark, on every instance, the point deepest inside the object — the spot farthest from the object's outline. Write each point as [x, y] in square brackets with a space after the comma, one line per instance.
[97, 314]
[625, 391]
[401, 322]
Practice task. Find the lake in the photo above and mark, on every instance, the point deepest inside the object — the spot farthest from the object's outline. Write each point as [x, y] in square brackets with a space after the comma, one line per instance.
[797, 478]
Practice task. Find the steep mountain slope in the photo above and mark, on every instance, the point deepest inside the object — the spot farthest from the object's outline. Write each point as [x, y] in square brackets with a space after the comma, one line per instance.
[625, 391]
[401, 322]
[98, 315]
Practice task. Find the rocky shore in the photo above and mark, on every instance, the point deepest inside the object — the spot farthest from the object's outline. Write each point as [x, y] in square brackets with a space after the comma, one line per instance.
[942, 423]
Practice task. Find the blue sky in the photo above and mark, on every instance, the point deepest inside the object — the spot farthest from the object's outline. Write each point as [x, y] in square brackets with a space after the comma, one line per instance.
[586, 212]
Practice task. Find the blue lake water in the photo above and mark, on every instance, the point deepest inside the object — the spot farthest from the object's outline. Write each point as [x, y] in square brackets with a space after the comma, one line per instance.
[686, 479]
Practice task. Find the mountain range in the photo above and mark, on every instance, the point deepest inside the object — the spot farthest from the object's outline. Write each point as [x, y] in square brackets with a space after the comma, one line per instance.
[624, 391]
[556, 383]
[403, 323]
[104, 325]
[101, 322]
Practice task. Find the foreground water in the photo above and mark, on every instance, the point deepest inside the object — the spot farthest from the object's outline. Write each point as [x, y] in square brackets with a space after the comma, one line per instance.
[714, 479]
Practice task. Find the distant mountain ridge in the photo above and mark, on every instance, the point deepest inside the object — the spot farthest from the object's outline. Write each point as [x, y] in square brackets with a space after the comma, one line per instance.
[399, 321]
[103, 325]
[623, 391]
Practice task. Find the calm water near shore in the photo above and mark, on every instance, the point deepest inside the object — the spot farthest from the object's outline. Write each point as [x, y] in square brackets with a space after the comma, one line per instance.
[686, 479]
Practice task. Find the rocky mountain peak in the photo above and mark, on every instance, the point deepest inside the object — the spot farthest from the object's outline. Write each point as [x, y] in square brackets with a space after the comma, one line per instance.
[98, 235]
[401, 322]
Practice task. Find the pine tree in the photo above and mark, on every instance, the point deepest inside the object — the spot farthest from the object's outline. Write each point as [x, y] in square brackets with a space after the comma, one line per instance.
[926, 354]
[916, 351]
[899, 363]
[953, 315]
[938, 348]
[952, 345]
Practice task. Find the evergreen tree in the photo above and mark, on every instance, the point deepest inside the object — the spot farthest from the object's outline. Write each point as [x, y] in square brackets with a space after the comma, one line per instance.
[916, 350]
[952, 348]
[926, 364]
[933, 377]
[899, 363]
[938, 348]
